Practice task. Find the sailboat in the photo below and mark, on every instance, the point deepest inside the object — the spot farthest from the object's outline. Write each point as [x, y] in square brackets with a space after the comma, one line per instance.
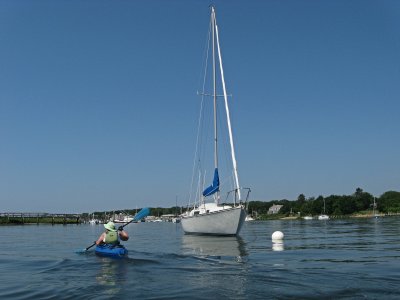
[324, 216]
[93, 221]
[374, 213]
[208, 216]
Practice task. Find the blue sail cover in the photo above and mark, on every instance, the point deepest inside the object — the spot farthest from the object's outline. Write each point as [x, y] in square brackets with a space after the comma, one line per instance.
[214, 187]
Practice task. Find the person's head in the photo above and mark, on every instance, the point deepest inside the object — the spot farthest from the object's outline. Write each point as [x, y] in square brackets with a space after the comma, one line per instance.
[110, 226]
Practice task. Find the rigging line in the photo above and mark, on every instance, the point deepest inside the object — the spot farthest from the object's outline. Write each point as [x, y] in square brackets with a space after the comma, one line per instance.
[198, 192]
[227, 181]
[206, 51]
[211, 95]
[196, 160]
[228, 160]
[205, 66]
[226, 149]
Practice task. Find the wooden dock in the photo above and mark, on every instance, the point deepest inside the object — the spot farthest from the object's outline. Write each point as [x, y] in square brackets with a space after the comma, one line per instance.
[39, 218]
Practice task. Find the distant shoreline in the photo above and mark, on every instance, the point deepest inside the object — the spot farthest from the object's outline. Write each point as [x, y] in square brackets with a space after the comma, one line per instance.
[356, 216]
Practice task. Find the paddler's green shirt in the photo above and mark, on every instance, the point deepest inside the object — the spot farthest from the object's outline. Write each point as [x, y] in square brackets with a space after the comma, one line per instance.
[111, 237]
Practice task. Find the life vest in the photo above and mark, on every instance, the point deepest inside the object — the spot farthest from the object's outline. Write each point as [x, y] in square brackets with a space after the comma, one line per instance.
[111, 237]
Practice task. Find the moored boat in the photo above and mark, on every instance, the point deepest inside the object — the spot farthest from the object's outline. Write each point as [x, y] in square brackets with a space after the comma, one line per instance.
[323, 216]
[117, 251]
[249, 218]
[209, 215]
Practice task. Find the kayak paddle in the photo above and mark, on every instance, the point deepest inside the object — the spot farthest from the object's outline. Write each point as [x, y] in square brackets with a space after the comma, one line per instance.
[140, 215]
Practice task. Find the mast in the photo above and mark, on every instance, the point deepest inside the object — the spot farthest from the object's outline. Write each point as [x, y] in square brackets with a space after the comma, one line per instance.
[213, 27]
[215, 89]
[233, 155]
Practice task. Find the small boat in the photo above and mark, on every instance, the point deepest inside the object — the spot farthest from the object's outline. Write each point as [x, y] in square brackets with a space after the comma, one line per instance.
[176, 220]
[248, 218]
[323, 216]
[308, 218]
[117, 251]
[209, 214]
[123, 219]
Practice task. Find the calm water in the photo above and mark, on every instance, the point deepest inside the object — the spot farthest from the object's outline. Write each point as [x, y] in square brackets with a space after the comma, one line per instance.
[353, 259]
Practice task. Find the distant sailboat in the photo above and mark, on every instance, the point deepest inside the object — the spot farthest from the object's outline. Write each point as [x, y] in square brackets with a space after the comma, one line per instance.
[249, 218]
[374, 213]
[93, 221]
[176, 218]
[324, 216]
[207, 217]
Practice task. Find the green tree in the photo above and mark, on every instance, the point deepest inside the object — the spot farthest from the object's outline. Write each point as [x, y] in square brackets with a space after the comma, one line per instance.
[301, 199]
[362, 199]
[389, 202]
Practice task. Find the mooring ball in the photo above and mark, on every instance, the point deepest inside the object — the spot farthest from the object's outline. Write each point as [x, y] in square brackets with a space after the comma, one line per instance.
[278, 235]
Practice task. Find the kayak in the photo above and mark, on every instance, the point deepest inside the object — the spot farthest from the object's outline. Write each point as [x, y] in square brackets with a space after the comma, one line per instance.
[111, 250]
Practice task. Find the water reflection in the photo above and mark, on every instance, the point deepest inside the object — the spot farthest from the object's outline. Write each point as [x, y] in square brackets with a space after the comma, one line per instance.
[204, 276]
[277, 246]
[111, 273]
[216, 246]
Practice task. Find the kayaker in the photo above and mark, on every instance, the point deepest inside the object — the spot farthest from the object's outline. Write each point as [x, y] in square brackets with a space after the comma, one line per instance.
[112, 235]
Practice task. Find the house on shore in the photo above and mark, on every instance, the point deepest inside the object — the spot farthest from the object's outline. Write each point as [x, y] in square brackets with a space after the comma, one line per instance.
[274, 209]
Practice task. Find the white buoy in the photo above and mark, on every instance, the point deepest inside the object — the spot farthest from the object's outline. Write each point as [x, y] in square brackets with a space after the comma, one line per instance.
[277, 241]
[277, 236]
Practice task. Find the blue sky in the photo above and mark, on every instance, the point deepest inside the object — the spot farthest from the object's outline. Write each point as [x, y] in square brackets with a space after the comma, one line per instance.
[98, 104]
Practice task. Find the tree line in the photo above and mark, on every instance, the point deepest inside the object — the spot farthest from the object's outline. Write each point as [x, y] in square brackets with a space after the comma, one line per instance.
[336, 205]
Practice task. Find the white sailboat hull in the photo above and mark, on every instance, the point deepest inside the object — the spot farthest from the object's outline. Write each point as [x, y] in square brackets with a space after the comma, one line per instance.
[222, 222]
[124, 220]
[323, 217]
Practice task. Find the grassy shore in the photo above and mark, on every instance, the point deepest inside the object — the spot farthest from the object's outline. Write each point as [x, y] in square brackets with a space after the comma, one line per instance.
[37, 220]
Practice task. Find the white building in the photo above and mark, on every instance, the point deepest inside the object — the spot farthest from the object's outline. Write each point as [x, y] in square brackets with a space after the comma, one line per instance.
[274, 209]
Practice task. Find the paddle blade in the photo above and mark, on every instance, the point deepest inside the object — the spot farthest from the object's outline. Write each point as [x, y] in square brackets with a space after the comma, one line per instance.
[142, 214]
[81, 251]
[86, 249]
